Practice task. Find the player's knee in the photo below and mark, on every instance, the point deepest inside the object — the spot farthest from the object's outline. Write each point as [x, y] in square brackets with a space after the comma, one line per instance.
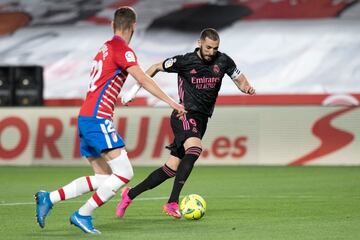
[193, 153]
[195, 150]
[130, 173]
[121, 166]
[173, 163]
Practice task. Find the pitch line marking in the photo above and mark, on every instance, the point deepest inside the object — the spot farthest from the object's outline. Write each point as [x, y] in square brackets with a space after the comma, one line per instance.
[4, 204]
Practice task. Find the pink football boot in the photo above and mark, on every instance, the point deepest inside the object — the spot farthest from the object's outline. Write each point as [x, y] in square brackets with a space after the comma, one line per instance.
[172, 209]
[124, 203]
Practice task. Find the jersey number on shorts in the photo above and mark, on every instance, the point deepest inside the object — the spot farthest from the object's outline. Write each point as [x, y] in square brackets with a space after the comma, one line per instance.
[108, 126]
[96, 69]
[109, 131]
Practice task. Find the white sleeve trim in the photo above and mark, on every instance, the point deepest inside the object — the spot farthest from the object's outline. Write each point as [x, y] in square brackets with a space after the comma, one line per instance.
[130, 95]
[235, 74]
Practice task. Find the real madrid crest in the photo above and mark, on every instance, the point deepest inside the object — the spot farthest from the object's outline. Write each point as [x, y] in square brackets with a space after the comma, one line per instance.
[216, 68]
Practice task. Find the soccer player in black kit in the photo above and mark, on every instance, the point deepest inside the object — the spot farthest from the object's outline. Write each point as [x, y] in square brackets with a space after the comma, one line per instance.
[200, 74]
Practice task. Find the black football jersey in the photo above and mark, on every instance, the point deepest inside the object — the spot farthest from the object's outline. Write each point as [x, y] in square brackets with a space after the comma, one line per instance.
[199, 82]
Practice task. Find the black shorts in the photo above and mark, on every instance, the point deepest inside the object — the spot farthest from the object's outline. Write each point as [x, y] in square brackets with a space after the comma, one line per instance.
[193, 125]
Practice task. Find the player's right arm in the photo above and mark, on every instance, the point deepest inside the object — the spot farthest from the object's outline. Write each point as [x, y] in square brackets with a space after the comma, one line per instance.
[154, 69]
[151, 86]
[172, 64]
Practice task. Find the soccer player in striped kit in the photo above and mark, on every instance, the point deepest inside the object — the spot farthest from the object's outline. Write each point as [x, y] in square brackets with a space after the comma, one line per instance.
[99, 142]
[200, 74]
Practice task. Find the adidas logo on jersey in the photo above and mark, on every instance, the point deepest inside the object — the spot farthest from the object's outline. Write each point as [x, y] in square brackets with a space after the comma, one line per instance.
[193, 71]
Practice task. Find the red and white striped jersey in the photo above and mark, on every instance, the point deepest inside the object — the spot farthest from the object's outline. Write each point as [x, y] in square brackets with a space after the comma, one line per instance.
[107, 76]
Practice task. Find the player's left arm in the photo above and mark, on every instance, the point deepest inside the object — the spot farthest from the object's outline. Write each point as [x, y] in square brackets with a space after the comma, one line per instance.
[238, 77]
[151, 71]
[243, 84]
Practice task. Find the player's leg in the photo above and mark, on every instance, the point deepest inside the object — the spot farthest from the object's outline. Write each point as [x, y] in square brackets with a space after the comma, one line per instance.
[154, 179]
[122, 172]
[187, 141]
[157, 177]
[83, 184]
[46, 200]
[192, 152]
[104, 141]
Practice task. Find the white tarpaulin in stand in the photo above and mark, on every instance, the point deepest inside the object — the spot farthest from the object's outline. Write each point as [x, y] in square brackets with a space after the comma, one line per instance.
[315, 57]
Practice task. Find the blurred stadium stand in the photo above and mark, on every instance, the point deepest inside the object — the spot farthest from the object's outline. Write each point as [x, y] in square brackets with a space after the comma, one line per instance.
[21, 86]
[6, 87]
[293, 51]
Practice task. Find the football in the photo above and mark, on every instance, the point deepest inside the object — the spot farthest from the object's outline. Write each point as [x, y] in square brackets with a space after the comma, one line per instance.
[193, 207]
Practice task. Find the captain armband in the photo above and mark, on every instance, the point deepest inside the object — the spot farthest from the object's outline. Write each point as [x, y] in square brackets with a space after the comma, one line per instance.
[235, 75]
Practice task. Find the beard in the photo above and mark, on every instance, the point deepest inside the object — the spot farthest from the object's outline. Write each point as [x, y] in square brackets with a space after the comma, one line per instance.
[206, 58]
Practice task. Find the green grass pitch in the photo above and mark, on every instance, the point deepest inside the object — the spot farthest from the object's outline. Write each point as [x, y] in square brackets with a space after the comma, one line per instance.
[242, 203]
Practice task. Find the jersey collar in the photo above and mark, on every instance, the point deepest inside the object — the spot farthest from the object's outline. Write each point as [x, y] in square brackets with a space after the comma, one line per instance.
[118, 38]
